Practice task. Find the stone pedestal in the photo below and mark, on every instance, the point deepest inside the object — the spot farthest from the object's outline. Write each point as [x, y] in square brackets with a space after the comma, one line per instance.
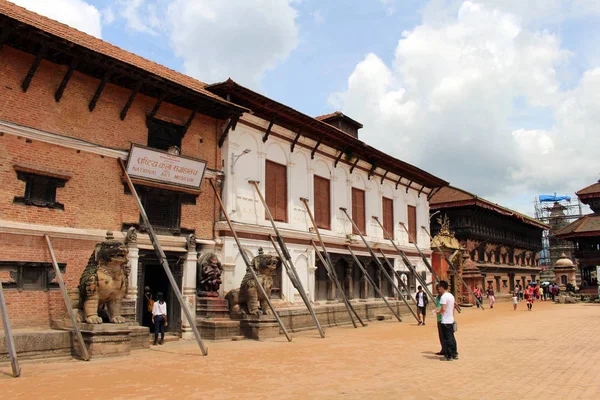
[104, 340]
[212, 319]
[259, 327]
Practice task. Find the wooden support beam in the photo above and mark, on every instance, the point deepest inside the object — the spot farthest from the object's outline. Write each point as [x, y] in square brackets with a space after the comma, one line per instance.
[134, 92]
[408, 187]
[268, 132]
[383, 177]
[231, 123]
[157, 105]
[398, 182]
[354, 165]
[189, 120]
[420, 190]
[371, 171]
[293, 145]
[433, 192]
[99, 90]
[34, 66]
[6, 31]
[65, 81]
[339, 157]
[314, 150]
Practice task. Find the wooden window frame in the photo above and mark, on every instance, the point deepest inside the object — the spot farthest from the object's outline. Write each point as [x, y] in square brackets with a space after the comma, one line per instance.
[320, 223]
[276, 217]
[36, 182]
[163, 134]
[354, 212]
[44, 270]
[408, 224]
[390, 228]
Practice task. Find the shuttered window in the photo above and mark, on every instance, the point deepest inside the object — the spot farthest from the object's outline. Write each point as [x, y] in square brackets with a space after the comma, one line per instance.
[412, 223]
[322, 202]
[358, 209]
[388, 216]
[276, 190]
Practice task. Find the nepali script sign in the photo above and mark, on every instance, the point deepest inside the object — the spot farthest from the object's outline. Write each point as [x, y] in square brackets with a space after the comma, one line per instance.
[160, 166]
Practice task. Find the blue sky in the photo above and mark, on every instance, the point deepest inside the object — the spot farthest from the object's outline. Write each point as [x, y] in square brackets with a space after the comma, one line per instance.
[499, 97]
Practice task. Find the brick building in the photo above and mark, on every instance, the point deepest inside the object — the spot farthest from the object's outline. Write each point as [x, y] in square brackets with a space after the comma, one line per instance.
[70, 106]
[500, 246]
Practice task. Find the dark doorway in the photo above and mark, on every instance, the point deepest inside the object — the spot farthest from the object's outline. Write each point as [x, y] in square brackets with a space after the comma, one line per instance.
[322, 283]
[152, 274]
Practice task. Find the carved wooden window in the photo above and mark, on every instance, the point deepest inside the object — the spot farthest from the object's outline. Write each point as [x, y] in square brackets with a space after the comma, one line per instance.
[412, 223]
[29, 275]
[276, 190]
[322, 202]
[40, 190]
[162, 134]
[358, 210]
[388, 216]
[163, 207]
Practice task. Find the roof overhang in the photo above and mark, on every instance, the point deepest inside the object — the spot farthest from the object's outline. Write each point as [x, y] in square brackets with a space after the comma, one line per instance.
[314, 129]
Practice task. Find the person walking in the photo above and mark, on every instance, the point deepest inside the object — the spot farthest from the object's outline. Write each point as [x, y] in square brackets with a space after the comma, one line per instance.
[530, 296]
[422, 302]
[542, 298]
[447, 311]
[490, 295]
[148, 306]
[159, 318]
[515, 300]
[554, 292]
[517, 290]
[478, 296]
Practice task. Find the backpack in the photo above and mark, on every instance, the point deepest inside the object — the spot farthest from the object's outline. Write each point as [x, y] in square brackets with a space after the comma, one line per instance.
[150, 303]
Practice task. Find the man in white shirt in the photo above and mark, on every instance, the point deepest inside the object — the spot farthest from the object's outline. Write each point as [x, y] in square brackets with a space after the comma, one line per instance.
[422, 301]
[159, 318]
[447, 311]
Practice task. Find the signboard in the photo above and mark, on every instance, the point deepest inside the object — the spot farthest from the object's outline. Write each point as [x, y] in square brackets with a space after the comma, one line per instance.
[160, 166]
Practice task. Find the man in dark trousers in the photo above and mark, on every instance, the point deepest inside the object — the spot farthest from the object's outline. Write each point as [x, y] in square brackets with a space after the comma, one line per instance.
[447, 311]
[422, 301]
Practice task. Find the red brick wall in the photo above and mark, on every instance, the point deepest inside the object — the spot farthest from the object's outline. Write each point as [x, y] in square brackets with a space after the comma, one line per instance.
[94, 196]
[36, 308]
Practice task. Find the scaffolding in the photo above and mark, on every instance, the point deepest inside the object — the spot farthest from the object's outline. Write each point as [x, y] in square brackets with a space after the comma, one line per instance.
[557, 212]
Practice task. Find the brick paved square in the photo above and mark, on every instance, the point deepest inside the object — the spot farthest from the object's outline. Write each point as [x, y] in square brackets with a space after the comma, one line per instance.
[549, 353]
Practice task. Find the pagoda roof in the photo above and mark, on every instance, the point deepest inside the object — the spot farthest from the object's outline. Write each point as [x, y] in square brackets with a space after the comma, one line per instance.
[588, 225]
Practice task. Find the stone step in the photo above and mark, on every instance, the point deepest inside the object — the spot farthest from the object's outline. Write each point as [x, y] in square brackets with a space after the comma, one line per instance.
[168, 338]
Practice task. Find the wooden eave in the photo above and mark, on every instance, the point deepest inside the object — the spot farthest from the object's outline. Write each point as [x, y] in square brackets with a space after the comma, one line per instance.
[29, 39]
[290, 119]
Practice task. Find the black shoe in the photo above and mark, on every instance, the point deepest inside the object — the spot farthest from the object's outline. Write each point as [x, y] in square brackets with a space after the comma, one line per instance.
[445, 359]
[423, 323]
[155, 341]
[455, 357]
[420, 323]
[160, 341]
[439, 353]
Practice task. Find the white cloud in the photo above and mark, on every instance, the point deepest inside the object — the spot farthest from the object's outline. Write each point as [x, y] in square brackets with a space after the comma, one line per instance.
[317, 16]
[218, 39]
[108, 16]
[75, 13]
[446, 101]
[389, 6]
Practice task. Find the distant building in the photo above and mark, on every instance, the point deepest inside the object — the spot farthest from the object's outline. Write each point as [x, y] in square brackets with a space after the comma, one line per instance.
[585, 235]
[496, 246]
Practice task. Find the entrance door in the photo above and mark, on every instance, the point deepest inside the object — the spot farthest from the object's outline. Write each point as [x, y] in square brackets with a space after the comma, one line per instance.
[153, 276]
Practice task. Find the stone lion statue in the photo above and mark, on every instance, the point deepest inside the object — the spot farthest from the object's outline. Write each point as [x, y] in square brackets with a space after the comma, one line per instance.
[248, 298]
[208, 274]
[103, 282]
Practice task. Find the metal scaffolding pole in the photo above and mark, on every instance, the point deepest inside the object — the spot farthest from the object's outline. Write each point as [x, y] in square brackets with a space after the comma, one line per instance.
[370, 280]
[163, 260]
[10, 344]
[288, 258]
[63, 288]
[248, 263]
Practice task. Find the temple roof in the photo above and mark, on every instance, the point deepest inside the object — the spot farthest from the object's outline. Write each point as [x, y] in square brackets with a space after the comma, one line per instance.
[450, 197]
[588, 225]
[338, 114]
[592, 189]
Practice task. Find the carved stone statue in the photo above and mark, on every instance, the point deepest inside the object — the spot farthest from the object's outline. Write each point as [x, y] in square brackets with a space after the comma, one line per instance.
[209, 272]
[103, 282]
[248, 298]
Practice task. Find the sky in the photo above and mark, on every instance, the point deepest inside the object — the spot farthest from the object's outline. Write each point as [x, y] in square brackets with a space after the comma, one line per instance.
[498, 97]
